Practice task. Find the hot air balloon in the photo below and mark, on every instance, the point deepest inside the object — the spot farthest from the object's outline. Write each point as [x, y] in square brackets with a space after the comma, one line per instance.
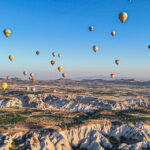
[53, 62]
[37, 52]
[4, 86]
[112, 75]
[91, 28]
[7, 32]
[123, 16]
[64, 75]
[95, 48]
[59, 55]
[8, 77]
[33, 89]
[32, 79]
[129, 0]
[31, 74]
[149, 46]
[11, 57]
[117, 62]
[25, 73]
[54, 54]
[60, 68]
[113, 33]
[54, 91]
[27, 88]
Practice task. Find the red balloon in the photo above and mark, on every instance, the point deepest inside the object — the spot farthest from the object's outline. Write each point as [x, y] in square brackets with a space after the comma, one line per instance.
[37, 52]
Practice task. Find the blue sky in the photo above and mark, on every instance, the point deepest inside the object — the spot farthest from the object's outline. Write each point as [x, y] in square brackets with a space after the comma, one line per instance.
[62, 26]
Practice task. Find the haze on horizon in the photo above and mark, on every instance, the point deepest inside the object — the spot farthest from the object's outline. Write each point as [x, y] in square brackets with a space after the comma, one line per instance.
[62, 26]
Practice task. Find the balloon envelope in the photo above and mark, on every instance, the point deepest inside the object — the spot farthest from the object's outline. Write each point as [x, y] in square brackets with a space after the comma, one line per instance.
[8, 77]
[31, 74]
[117, 62]
[4, 86]
[59, 55]
[7, 32]
[60, 68]
[25, 73]
[113, 33]
[95, 48]
[112, 75]
[53, 62]
[91, 28]
[64, 75]
[123, 16]
[54, 54]
[37, 52]
[11, 57]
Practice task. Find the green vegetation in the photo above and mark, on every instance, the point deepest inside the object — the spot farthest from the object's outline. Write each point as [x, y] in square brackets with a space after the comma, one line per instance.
[11, 118]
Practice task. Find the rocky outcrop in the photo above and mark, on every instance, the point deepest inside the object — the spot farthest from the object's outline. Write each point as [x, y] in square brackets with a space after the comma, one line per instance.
[74, 103]
[96, 136]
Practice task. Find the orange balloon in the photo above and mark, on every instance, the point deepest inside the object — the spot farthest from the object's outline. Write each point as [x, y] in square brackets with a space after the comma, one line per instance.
[117, 62]
[91, 28]
[32, 79]
[59, 55]
[113, 33]
[8, 77]
[64, 75]
[112, 75]
[54, 54]
[53, 62]
[95, 48]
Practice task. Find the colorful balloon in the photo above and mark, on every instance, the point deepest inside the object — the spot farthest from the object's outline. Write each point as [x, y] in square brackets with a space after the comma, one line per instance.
[37, 52]
[112, 75]
[54, 54]
[91, 28]
[123, 16]
[60, 68]
[33, 89]
[59, 55]
[53, 62]
[117, 62]
[8, 77]
[4, 86]
[7, 32]
[113, 33]
[11, 57]
[64, 75]
[25, 73]
[95, 48]
[32, 79]
[54, 91]
[31, 74]
[27, 88]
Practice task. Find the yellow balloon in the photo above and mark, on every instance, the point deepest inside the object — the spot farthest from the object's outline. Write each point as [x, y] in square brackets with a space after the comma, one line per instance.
[11, 57]
[7, 32]
[60, 68]
[123, 16]
[4, 86]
